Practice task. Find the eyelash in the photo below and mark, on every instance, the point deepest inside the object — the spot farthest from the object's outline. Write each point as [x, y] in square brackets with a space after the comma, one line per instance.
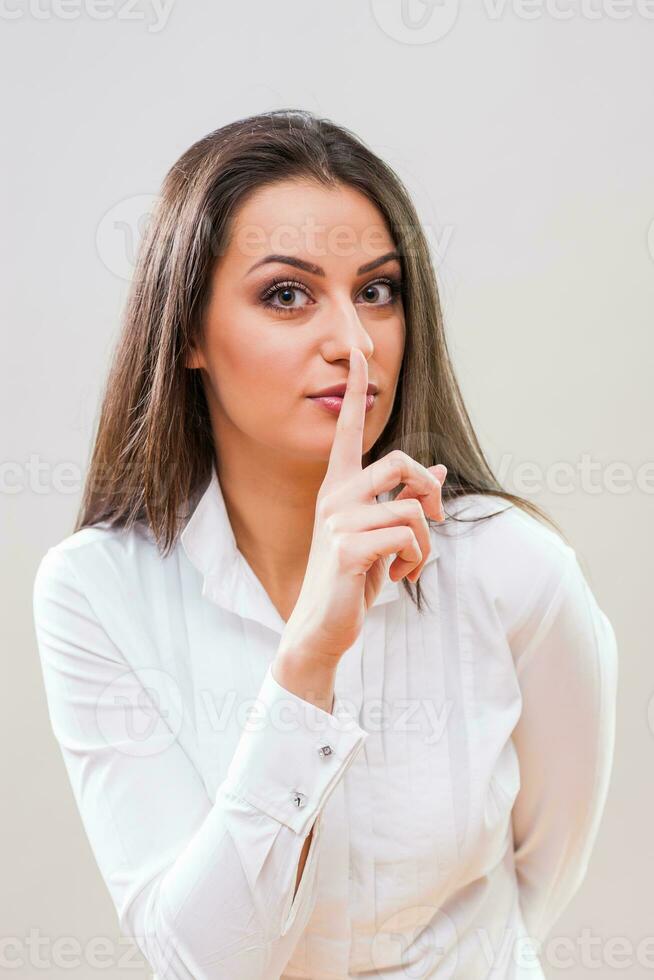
[394, 283]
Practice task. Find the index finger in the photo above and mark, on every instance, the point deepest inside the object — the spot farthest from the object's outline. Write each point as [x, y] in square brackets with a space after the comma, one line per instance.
[347, 448]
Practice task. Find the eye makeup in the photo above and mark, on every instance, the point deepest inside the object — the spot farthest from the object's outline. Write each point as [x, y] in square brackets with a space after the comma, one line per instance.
[278, 284]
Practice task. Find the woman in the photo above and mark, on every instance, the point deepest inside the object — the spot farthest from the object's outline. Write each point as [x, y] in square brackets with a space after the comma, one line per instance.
[287, 764]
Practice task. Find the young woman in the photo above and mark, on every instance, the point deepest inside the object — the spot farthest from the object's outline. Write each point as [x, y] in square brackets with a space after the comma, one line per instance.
[288, 764]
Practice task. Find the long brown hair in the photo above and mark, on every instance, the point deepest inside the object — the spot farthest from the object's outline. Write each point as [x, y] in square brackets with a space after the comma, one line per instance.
[154, 447]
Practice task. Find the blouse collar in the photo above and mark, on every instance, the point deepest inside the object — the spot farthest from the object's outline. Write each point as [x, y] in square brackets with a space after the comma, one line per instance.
[228, 580]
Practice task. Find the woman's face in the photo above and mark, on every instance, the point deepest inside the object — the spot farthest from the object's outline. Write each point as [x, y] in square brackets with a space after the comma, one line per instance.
[277, 331]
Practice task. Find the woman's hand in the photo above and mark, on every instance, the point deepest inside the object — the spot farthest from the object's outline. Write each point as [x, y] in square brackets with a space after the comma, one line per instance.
[354, 535]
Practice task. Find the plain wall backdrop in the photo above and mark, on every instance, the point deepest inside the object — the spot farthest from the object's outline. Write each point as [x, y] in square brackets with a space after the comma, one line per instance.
[523, 130]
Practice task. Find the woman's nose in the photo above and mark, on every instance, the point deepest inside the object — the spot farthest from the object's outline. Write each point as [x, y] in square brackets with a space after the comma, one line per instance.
[344, 330]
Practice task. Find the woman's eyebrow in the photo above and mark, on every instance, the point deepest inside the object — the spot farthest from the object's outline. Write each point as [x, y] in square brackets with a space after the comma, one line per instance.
[316, 270]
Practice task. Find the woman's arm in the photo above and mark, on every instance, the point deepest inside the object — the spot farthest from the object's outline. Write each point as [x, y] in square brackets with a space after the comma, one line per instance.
[567, 666]
[205, 887]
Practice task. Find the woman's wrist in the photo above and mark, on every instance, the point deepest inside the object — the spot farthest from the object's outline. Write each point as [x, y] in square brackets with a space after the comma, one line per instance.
[308, 677]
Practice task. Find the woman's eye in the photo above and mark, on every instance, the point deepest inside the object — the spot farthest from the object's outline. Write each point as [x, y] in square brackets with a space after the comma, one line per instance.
[284, 292]
[372, 291]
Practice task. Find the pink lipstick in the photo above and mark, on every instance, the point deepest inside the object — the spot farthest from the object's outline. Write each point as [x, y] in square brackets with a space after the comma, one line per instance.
[332, 403]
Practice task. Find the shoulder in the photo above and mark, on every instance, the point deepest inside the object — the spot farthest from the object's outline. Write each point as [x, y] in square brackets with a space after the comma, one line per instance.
[103, 594]
[93, 558]
[513, 562]
[503, 533]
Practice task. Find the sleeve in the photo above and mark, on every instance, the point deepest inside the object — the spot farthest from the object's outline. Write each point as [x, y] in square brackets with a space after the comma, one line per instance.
[567, 669]
[205, 887]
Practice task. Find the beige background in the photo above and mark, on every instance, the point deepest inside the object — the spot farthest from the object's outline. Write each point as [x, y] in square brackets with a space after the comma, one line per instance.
[525, 136]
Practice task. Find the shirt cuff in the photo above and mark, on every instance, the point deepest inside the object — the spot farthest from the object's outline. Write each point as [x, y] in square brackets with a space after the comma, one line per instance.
[291, 755]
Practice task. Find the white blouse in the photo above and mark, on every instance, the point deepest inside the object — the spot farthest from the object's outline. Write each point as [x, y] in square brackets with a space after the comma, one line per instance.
[455, 790]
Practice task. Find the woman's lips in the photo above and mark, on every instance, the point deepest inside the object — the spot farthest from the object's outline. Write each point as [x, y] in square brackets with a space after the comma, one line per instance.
[332, 403]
